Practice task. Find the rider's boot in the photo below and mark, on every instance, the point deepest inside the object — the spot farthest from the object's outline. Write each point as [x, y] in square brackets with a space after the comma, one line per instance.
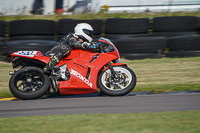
[53, 61]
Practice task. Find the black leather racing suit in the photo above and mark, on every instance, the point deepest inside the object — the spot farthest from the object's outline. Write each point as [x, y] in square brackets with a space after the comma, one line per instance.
[61, 49]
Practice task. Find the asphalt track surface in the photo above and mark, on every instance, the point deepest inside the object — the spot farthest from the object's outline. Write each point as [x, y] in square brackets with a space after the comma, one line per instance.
[100, 105]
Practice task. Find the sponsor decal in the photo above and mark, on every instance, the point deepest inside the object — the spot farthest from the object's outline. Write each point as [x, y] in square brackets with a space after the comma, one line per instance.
[26, 53]
[78, 75]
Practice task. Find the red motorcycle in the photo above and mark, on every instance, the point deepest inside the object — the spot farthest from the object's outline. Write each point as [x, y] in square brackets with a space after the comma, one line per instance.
[81, 72]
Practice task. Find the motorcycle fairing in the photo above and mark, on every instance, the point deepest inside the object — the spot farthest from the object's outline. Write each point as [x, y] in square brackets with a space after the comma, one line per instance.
[84, 73]
[36, 55]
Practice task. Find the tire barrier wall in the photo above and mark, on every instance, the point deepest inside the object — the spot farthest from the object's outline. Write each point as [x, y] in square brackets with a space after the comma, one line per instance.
[124, 28]
[2, 36]
[182, 33]
[37, 35]
[167, 27]
[141, 47]
[184, 46]
[29, 45]
[32, 29]
[67, 25]
[133, 37]
[175, 26]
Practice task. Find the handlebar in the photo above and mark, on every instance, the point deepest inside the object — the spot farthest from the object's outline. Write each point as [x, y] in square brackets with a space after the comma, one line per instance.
[95, 46]
[92, 47]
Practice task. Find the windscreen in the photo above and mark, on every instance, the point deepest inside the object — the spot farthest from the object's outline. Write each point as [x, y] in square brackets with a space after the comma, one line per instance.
[107, 45]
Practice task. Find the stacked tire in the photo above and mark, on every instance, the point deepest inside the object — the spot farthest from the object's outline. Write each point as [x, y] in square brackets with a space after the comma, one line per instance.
[184, 46]
[37, 35]
[2, 36]
[66, 26]
[175, 26]
[182, 34]
[124, 28]
[141, 47]
[132, 40]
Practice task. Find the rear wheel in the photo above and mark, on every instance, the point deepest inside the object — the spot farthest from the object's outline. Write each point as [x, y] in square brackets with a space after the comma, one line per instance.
[123, 84]
[29, 83]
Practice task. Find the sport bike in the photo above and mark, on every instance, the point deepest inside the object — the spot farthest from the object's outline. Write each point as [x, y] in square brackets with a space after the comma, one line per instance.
[81, 72]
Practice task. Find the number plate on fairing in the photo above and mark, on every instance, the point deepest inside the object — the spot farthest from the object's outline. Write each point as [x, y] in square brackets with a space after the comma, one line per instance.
[26, 53]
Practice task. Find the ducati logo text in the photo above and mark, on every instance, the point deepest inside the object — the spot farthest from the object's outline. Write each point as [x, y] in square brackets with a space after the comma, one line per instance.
[78, 75]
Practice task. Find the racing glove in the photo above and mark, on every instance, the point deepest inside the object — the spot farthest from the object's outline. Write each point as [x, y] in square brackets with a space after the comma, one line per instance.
[85, 45]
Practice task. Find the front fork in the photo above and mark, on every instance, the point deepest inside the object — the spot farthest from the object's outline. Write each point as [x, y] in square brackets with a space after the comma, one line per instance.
[113, 73]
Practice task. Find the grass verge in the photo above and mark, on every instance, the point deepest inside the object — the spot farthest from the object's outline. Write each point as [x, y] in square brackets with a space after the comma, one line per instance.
[165, 88]
[166, 74]
[156, 75]
[163, 122]
[101, 15]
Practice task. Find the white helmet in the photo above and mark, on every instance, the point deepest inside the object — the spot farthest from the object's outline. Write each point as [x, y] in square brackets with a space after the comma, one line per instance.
[84, 31]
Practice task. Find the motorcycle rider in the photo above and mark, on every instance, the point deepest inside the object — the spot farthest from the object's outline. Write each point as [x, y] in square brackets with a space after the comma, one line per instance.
[81, 38]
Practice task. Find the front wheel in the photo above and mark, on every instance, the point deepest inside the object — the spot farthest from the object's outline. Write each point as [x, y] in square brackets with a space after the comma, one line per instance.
[123, 84]
[29, 83]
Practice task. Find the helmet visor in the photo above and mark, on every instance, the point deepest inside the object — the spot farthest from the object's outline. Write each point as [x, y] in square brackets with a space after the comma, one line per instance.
[88, 32]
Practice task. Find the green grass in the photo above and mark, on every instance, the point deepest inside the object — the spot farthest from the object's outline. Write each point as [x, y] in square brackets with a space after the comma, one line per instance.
[101, 15]
[156, 75]
[4, 79]
[164, 122]
[165, 88]
[166, 74]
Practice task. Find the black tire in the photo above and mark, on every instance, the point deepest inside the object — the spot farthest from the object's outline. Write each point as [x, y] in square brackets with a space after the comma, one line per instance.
[118, 92]
[32, 27]
[67, 25]
[29, 45]
[1, 45]
[95, 37]
[141, 44]
[172, 34]
[184, 43]
[127, 26]
[175, 24]
[2, 28]
[2, 39]
[32, 37]
[2, 48]
[29, 73]
[121, 36]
